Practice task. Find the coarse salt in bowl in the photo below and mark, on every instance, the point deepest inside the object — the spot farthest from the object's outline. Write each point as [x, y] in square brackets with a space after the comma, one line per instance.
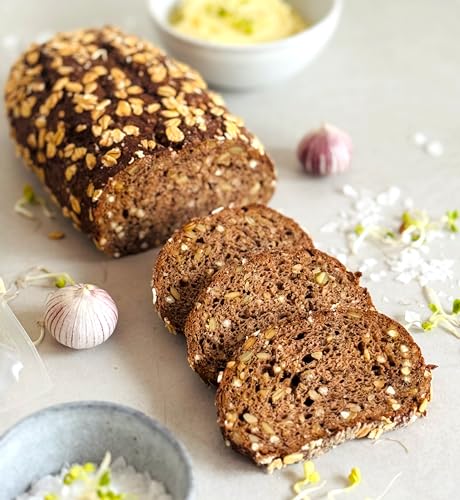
[241, 67]
[76, 433]
[122, 479]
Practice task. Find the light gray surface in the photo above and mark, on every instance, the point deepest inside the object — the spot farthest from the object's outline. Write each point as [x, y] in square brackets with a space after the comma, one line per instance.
[76, 433]
[392, 69]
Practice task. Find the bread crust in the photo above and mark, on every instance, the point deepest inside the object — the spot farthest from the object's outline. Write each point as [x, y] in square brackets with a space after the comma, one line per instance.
[111, 126]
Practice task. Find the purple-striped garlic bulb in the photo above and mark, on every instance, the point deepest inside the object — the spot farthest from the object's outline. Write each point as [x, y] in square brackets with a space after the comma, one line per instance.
[80, 316]
[325, 151]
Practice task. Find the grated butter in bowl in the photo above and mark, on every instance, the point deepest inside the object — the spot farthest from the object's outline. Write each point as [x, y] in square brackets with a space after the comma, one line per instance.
[247, 65]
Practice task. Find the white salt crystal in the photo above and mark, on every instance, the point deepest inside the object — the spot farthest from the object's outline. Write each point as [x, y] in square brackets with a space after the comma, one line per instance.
[379, 215]
[367, 264]
[412, 316]
[371, 262]
[405, 277]
[412, 319]
[419, 138]
[436, 270]
[435, 148]
[390, 197]
[330, 227]
[408, 203]
[349, 191]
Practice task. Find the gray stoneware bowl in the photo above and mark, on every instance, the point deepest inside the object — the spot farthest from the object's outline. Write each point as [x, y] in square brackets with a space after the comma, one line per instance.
[83, 431]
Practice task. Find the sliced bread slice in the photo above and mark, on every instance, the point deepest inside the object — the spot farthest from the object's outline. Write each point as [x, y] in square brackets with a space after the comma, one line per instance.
[242, 299]
[306, 385]
[195, 252]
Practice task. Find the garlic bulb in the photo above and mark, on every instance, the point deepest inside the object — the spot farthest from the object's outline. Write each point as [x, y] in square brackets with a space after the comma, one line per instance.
[80, 316]
[325, 151]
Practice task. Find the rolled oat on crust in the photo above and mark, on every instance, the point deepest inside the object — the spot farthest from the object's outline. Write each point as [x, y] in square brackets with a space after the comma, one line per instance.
[128, 142]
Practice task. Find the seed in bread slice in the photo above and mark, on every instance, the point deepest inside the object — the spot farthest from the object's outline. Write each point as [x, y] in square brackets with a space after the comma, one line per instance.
[189, 259]
[242, 299]
[307, 385]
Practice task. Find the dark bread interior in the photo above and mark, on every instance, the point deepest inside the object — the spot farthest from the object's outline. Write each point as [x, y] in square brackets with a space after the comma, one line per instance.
[308, 384]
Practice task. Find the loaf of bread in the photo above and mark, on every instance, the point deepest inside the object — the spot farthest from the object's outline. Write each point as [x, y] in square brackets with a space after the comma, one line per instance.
[129, 142]
[307, 385]
[188, 261]
[241, 299]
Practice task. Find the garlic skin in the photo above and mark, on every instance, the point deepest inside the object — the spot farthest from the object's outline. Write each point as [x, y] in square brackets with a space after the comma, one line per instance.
[80, 316]
[325, 151]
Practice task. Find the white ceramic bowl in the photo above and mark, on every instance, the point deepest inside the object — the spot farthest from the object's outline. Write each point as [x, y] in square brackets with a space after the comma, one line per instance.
[250, 66]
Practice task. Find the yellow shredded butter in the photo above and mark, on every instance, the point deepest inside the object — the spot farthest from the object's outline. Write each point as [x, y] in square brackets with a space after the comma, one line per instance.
[237, 22]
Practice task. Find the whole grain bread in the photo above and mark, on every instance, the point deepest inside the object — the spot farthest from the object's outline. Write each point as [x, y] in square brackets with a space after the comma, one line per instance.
[241, 299]
[188, 261]
[129, 143]
[306, 385]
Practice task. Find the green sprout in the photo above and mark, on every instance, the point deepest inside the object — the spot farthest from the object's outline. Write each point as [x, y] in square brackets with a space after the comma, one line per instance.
[451, 218]
[456, 306]
[311, 477]
[354, 479]
[407, 221]
[110, 495]
[413, 229]
[29, 198]
[89, 467]
[105, 478]
[439, 317]
[61, 281]
[28, 194]
[94, 481]
[76, 473]
[415, 225]
[374, 233]
[68, 479]
[427, 325]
